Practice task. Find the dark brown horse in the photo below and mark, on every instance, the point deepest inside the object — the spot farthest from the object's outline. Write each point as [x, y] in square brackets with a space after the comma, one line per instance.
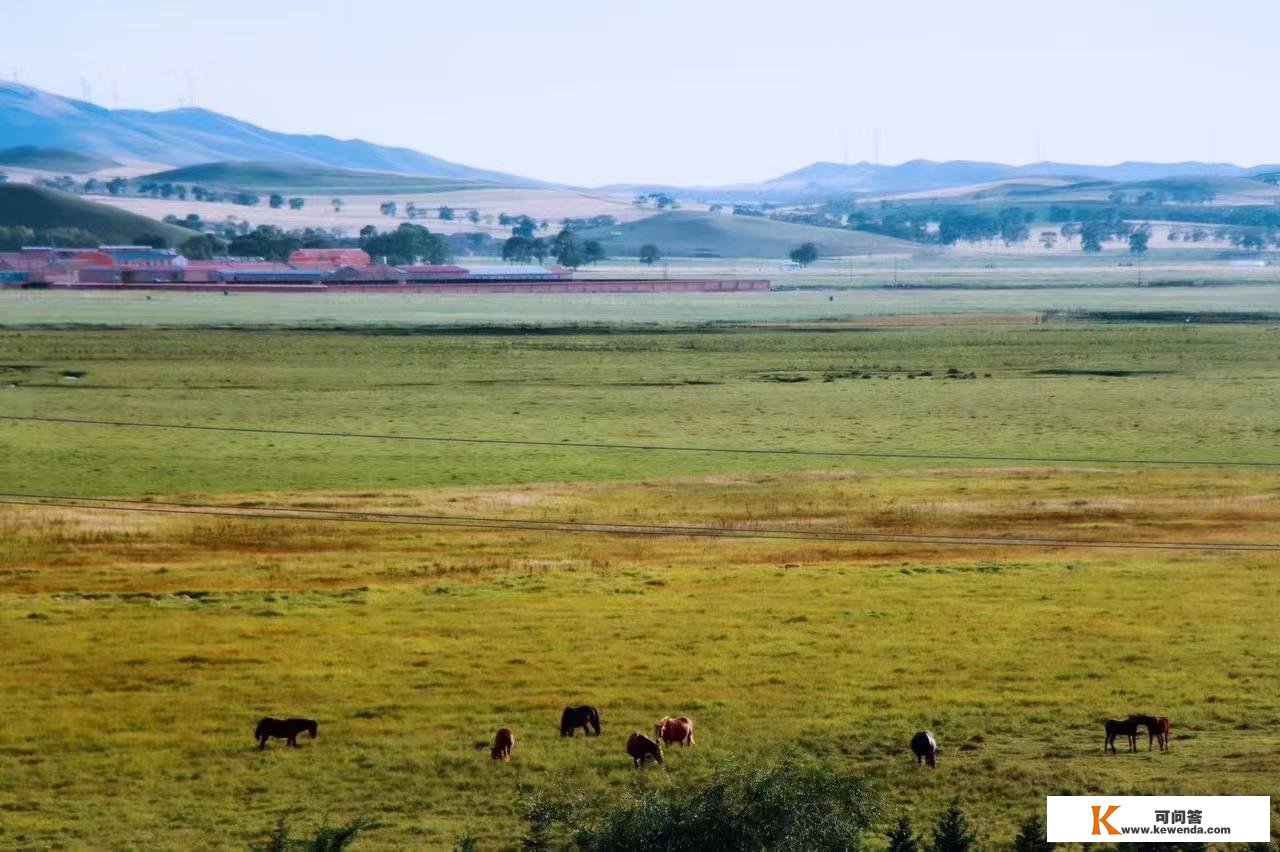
[640, 748]
[503, 744]
[1157, 729]
[584, 717]
[1116, 728]
[283, 729]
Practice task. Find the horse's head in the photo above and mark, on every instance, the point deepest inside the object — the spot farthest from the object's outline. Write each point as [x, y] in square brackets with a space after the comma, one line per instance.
[312, 728]
[657, 732]
[657, 752]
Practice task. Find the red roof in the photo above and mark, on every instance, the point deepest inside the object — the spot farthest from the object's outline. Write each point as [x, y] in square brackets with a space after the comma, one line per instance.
[329, 258]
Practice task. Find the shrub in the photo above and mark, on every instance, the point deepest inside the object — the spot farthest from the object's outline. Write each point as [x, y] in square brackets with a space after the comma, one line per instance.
[786, 807]
[327, 839]
[903, 838]
[952, 834]
[1031, 837]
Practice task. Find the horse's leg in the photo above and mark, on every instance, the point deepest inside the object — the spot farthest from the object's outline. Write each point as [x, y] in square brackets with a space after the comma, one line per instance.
[293, 740]
[262, 743]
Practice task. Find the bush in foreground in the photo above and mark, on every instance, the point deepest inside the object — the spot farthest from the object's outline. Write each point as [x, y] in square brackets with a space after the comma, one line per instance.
[778, 807]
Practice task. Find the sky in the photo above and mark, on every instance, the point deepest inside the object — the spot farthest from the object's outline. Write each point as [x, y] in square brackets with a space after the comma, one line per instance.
[687, 92]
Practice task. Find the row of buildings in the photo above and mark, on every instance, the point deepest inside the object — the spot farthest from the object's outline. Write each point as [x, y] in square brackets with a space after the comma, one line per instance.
[309, 270]
[39, 265]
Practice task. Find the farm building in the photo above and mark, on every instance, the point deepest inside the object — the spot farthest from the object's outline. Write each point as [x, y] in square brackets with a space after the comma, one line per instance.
[144, 257]
[326, 259]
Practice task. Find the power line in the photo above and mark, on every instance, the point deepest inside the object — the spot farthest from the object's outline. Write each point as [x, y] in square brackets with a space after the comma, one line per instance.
[593, 445]
[601, 527]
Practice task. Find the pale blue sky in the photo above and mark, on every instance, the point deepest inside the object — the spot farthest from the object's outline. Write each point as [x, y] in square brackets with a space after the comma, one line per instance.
[688, 91]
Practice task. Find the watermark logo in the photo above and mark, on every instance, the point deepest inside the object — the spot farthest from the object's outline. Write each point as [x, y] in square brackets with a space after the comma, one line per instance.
[1100, 822]
[1148, 819]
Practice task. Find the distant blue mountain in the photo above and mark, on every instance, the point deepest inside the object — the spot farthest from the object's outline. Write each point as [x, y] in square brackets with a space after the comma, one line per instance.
[183, 137]
[917, 175]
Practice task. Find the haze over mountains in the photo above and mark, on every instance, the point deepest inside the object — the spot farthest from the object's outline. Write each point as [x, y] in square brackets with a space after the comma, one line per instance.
[184, 137]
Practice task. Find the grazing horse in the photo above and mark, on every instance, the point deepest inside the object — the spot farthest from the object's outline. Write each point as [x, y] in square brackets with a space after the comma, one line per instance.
[674, 730]
[503, 744]
[1115, 728]
[641, 747]
[1157, 729]
[925, 748]
[584, 717]
[283, 729]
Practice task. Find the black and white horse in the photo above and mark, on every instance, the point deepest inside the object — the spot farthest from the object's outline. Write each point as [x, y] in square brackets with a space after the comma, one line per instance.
[925, 748]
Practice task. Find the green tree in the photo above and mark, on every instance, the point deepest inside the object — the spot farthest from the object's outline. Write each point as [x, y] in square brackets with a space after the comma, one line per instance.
[267, 242]
[3, 177]
[408, 243]
[1012, 225]
[952, 834]
[296, 203]
[202, 247]
[567, 249]
[473, 216]
[518, 250]
[1031, 837]
[387, 208]
[903, 837]
[116, 186]
[592, 252]
[337, 204]
[1091, 236]
[276, 201]
[367, 233]
[445, 213]
[804, 254]
[649, 254]
[1138, 240]
[1048, 239]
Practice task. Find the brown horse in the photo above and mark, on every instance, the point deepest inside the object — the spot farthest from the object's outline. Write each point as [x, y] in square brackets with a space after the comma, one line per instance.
[674, 730]
[640, 748]
[503, 744]
[1115, 728]
[283, 729]
[1157, 729]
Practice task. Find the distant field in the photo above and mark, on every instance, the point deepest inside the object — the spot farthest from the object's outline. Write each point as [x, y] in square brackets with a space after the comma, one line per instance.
[304, 179]
[360, 210]
[685, 233]
[718, 387]
[141, 648]
[34, 307]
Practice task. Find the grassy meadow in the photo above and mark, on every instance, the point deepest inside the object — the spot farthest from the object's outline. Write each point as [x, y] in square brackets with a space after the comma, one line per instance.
[139, 649]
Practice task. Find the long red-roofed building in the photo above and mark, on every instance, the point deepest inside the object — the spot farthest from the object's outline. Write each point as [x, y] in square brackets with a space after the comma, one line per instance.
[329, 258]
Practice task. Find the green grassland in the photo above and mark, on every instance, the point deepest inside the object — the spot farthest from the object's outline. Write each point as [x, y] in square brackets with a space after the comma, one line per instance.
[812, 303]
[52, 159]
[306, 179]
[1038, 391]
[141, 648]
[41, 208]
[690, 234]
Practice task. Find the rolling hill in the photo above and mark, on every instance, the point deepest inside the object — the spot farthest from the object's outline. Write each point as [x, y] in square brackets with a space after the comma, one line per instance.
[182, 137]
[52, 160]
[689, 234]
[40, 208]
[306, 178]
